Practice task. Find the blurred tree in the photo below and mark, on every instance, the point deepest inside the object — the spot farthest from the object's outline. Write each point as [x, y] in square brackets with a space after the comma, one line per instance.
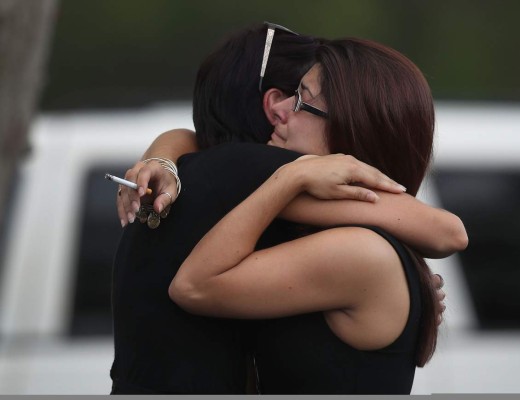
[25, 28]
[128, 53]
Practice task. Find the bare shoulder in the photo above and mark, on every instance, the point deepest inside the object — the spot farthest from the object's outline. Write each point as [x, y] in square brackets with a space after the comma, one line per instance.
[359, 239]
[377, 301]
[348, 265]
[369, 252]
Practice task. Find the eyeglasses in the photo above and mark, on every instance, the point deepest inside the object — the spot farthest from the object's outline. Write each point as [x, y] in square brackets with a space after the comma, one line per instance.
[267, 48]
[300, 105]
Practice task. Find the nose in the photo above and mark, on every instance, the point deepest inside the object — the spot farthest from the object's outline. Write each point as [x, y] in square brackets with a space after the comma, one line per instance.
[283, 109]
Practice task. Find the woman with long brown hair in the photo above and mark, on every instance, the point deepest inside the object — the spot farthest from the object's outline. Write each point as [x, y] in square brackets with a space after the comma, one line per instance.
[347, 309]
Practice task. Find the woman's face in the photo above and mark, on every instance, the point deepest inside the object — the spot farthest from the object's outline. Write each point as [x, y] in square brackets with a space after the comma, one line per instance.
[302, 131]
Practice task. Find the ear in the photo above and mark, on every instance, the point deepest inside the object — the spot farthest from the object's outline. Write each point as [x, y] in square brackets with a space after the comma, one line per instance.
[272, 97]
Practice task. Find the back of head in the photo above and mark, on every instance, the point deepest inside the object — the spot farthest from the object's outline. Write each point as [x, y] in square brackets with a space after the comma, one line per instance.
[227, 104]
[380, 107]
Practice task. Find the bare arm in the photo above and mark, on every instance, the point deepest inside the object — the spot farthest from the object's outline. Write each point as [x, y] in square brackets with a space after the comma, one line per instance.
[433, 232]
[172, 144]
[223, 276]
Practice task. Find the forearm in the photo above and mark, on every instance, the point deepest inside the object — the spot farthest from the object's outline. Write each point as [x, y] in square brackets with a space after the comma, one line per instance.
[172, 144]
[224, 276]
[434, 232]
[236, 235]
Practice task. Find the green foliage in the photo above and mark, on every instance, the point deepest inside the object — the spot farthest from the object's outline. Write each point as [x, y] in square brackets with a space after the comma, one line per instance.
[110, 53]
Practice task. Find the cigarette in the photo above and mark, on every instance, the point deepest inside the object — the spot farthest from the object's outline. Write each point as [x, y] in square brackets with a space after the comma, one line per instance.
[124, 182]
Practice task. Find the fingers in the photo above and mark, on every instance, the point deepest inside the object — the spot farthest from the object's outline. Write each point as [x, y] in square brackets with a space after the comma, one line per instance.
[306, 157]
[120, 209]
[166, 197]
[438, 283]
[355, 193]
[130, 197]
[344, 192]
[440, 314]
[372, 177]
[125, 208]
[442, 308]
[128, 200]
[143, 178]
[152, 175]
[356, 172]
[340, 176]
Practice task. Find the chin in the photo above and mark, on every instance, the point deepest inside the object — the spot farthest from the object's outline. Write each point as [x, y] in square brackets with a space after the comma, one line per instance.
[272, 143]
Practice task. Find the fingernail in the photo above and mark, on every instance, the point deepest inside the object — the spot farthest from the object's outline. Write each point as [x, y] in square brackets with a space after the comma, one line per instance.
[141, 191]
[135, 206]
[371, 196]
[123, 224]
[131, 218]
[160, 207]
[402, 187]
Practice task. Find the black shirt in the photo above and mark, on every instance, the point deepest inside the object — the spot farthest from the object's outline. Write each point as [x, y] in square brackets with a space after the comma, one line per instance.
[159, 348]
[301, 355]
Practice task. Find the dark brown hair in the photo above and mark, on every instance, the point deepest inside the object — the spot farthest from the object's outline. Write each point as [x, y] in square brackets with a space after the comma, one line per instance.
[381, 112]
[380, 107]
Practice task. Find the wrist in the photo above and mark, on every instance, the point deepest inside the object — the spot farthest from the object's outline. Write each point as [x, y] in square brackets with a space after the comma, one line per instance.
[169, 166]
[292, 176]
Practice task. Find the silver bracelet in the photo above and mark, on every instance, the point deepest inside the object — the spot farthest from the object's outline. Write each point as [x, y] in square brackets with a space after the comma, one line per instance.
[169, 166]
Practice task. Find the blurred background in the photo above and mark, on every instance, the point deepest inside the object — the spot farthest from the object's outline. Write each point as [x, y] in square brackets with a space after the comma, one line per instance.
[86, 86]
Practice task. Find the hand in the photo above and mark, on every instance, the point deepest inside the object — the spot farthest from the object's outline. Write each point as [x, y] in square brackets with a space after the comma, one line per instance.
[152, 175]
[338, 176]
[438, 283]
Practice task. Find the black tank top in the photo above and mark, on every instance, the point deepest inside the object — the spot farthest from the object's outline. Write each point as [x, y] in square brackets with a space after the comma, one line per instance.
[301, 355]
[160, 348]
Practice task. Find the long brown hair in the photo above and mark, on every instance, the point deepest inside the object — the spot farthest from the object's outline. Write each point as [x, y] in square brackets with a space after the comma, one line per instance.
[381, 111]
[380, 107]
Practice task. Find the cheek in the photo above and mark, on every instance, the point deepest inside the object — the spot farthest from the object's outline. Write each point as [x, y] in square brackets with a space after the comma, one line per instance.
[320, 146]
[306, 134]
[310, 140]
[321, 137]
[314, 140]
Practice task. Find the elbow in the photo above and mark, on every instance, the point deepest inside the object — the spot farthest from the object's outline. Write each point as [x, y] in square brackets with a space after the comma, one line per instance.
[451, 238]
[185, 295]
[459, 236]
[456, 239]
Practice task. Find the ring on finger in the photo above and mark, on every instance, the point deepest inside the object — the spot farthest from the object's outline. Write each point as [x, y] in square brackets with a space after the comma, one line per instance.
[169, 195]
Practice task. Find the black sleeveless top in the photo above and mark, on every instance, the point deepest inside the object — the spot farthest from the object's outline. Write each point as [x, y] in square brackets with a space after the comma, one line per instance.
[160, 348]
[301, 355]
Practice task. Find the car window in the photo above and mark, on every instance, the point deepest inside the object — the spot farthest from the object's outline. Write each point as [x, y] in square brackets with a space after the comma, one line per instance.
[488, 202]
[99, 233]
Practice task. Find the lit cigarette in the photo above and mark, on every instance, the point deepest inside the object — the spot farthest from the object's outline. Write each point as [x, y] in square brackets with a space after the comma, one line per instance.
[125, 182]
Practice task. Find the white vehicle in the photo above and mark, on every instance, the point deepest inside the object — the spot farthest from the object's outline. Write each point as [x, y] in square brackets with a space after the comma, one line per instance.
[55, 322]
